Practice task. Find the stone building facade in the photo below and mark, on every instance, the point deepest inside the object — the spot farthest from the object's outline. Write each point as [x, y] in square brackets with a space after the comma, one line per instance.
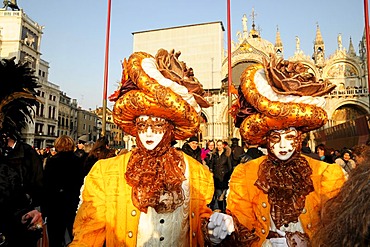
[46, 117]
[67, 116]
[57, 114]
[89, 125]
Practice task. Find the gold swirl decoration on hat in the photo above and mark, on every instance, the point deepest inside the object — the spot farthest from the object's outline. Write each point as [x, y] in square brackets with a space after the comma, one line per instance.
[154, 95]
[281, 94]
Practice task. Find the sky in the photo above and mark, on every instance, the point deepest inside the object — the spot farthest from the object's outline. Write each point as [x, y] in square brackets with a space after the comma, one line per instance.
[74, 37]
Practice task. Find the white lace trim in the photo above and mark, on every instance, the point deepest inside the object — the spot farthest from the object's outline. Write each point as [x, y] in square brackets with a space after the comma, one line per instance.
[174, 230]
[292, 227]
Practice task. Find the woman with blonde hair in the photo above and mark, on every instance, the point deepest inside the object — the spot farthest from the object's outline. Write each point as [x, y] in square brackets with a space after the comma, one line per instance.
[62, 180]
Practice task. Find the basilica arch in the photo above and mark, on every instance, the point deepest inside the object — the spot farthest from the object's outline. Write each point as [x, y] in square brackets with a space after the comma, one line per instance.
[238, 69]
[348, 110]
[344, 68]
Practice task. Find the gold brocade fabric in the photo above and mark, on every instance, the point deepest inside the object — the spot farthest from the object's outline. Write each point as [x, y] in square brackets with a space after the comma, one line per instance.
[275, 115]
[142, 95]
[256, 113]
[287, 184]
[156, 176]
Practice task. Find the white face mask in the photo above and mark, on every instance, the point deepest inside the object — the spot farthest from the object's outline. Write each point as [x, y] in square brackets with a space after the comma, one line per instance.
[151, 130]
[282, 143]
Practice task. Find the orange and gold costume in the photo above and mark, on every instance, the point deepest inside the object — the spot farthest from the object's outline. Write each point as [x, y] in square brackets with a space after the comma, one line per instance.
[276, 193]
[149, 196]
[250, 205]
[108, 214]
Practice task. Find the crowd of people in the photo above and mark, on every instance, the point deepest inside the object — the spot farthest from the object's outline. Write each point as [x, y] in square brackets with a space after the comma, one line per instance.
[347, 158]
[270, 191]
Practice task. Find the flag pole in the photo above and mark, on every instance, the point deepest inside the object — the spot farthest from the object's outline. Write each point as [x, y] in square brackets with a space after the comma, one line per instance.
[229, 67]
[106, 70]
[366, 10]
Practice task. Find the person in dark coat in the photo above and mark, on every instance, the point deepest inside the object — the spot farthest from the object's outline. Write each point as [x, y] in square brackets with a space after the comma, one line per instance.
[63, 180]
[192, 148]
[236, 152]
[26, 159]
[305, 148]
[20, 193]
[18, 225]
[222, 169]
[20, 166]
[254, 152]
[80, 150]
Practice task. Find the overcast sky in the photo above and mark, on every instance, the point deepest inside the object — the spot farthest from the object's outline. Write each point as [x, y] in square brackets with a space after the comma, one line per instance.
[75, 31]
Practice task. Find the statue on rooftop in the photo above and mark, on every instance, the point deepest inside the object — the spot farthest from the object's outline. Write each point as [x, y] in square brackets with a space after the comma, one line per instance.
[11, 4]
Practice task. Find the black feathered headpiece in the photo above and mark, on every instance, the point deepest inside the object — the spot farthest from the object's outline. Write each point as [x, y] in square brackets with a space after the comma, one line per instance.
[17, 96]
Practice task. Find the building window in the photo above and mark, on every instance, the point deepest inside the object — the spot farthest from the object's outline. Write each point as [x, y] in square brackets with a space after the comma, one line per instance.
[49, 112]
[38, 128]
[37, 110]
[51, 130]
[42, 110]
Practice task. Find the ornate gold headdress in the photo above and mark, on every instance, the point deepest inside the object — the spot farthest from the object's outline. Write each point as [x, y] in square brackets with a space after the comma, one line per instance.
[277, 95]
[162, 87]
